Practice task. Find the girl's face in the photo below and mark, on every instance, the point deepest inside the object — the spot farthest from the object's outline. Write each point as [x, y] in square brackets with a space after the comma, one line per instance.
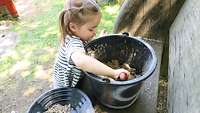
[88, 30]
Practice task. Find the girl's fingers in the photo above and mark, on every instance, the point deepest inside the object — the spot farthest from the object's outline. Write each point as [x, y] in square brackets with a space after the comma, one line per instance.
[123, 76]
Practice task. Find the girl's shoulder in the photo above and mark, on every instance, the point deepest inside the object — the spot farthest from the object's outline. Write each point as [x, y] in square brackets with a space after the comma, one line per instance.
[71, 40]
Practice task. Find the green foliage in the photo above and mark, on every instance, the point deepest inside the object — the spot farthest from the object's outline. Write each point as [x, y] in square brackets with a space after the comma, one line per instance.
[109, 14]
[109, 2]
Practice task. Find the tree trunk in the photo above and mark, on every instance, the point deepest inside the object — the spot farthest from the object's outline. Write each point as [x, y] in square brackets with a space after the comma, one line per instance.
[147, 18]
[184, 60]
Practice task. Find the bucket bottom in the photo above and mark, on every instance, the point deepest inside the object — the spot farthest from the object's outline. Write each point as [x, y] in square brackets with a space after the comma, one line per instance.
[121, 107]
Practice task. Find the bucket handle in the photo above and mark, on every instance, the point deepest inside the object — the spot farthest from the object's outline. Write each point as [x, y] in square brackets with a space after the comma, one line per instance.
[125, 34]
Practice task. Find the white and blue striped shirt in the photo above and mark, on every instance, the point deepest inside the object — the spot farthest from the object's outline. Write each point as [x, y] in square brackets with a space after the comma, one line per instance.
[65, 73]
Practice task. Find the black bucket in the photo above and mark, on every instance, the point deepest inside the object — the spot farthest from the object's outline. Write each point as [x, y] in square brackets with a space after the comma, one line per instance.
[120, 94]
[78, 101]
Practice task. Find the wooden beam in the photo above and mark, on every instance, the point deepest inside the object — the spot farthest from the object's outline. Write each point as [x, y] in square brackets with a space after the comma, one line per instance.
[184, 60]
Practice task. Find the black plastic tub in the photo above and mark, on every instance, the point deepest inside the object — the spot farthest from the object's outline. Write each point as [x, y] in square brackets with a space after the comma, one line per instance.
[141, 56]
[79, 101]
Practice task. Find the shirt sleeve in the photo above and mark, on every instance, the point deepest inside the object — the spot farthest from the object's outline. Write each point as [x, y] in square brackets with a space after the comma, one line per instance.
[74, 45]
[77, 45]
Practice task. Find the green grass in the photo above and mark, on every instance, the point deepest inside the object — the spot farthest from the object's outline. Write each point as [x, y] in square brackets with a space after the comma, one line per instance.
[38, 39]
[41, 30]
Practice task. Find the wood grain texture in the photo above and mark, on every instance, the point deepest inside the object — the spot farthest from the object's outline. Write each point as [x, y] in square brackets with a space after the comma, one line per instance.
[184, 60]
[147, 18]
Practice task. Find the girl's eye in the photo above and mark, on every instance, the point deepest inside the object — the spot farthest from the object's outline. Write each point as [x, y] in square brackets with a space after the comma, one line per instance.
[90, 29]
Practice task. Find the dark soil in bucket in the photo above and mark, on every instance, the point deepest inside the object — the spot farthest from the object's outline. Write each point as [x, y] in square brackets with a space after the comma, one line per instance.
[57, 108]
[98, 109]
[115, 64]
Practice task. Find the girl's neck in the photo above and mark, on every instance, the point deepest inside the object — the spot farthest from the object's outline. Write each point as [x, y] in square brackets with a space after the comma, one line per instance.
[73, 36]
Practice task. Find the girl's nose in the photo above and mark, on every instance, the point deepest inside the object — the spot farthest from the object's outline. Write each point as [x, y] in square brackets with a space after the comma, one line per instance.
[95, 32]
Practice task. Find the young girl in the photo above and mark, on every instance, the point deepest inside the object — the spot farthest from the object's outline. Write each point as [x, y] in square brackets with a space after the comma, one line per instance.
[78, 23]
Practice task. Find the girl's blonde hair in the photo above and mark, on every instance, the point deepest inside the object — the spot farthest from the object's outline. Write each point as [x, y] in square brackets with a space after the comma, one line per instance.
[76, 11]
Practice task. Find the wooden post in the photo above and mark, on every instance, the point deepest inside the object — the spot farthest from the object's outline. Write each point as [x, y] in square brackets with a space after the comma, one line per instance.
[150, 19]
[184, 60]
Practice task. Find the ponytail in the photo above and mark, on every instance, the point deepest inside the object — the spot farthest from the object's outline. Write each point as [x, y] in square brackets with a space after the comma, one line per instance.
[63, 25]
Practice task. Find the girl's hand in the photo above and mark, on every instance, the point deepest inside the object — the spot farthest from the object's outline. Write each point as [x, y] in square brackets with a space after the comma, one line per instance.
[121, 74]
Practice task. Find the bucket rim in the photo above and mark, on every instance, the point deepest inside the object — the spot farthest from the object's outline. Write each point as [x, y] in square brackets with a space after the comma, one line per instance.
[42, 96]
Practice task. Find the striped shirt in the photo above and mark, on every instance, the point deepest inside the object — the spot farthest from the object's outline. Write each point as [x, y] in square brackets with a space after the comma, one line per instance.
[65, 73]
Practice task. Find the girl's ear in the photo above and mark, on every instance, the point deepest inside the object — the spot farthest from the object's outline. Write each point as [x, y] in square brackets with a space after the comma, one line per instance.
[73, 27]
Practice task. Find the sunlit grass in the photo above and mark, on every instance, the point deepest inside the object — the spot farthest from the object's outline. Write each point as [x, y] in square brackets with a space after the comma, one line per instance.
[6, 63]
[38, 41]
[28, 92]
[19, 66]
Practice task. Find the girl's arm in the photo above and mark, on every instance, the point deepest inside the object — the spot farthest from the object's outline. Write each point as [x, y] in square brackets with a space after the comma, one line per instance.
[90, 64]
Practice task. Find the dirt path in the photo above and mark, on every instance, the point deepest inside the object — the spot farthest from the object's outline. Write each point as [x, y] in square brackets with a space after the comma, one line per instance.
[16, 92]
[8, 40]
